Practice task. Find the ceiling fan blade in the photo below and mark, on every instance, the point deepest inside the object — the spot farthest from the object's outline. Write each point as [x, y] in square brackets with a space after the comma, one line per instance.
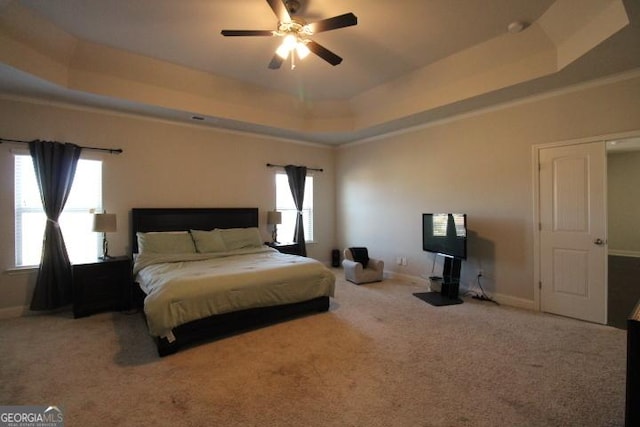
[242, 33]
[340, 21]
[324, 53]
[280, 10]
[276, 62]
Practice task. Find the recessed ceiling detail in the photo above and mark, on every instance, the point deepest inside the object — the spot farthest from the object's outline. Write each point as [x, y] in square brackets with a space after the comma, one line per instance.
[434, 59]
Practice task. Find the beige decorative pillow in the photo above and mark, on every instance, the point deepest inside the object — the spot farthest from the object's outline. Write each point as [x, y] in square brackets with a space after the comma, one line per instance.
[240, 238]
[170, 242]
[208, 241]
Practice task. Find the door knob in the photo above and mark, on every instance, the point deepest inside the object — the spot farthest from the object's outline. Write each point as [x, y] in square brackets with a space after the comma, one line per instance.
[599, 242]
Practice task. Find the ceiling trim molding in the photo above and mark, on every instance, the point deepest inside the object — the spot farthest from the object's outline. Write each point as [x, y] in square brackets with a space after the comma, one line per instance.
[140, 116]
[627, 75]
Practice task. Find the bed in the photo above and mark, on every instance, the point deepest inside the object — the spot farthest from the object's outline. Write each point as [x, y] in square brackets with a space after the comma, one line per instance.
[205, 292]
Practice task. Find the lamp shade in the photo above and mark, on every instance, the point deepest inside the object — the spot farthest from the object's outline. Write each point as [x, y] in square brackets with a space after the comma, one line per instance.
[274, 217]
[104, 222]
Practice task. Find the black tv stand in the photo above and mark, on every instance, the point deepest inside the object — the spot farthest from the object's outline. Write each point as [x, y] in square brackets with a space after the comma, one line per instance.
[450, 285]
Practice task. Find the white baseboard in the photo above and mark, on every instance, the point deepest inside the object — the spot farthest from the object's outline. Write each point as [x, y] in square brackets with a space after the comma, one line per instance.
[13, 312]
[526, 304]
[620, 252]
[499, 298]
[404, 277]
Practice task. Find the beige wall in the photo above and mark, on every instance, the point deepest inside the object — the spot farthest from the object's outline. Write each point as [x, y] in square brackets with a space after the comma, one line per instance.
[163, 165]
[371, 193]
[479, 164]
[623, 175]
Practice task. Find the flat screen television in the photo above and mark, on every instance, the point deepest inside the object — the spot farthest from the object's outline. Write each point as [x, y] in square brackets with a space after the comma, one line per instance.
[445, 234]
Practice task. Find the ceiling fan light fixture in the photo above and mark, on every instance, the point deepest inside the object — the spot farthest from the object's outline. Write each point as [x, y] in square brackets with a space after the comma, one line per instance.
[288, 44]
[295, 32]
[283, 51]
[302, 50]
[290, 41]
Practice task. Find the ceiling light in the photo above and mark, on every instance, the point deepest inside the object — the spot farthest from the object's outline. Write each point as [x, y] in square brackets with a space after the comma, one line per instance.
[288, 44]
[291, 42]
[302, 50]
[282, 51]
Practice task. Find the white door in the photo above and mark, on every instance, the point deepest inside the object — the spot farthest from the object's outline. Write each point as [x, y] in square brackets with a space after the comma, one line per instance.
[573, 231]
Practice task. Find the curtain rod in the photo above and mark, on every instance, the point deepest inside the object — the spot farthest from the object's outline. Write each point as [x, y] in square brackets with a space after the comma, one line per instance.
[110, 150]
[269, 165]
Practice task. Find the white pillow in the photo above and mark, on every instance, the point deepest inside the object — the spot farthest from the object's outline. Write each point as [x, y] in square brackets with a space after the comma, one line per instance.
[170, 242]
[208, 241]
[240, 238]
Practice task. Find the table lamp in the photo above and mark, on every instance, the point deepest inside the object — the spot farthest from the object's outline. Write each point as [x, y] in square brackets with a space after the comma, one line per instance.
[274, 218]
[104, 223]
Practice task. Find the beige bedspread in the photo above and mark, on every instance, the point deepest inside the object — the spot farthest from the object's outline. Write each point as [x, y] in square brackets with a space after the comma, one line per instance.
[185, 287]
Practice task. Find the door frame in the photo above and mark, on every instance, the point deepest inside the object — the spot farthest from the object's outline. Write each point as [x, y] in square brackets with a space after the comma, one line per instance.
[535, 167]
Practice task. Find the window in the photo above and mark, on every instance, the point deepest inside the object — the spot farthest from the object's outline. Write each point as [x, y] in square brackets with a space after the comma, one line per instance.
[76, 219]
[284, 204]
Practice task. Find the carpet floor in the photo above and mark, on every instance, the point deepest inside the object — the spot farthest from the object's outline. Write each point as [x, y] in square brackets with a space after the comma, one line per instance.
[379, 357]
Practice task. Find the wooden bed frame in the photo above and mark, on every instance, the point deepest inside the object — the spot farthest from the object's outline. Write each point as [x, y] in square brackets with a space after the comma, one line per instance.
[180, 219]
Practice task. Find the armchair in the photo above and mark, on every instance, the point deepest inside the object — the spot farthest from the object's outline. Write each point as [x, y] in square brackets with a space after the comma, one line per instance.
[356, 273]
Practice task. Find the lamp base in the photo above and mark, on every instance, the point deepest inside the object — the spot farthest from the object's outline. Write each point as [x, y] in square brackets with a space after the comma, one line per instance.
[105, 248]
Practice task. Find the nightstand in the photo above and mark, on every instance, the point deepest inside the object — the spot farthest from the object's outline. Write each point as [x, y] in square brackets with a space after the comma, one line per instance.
[285, 248]
[102, 285]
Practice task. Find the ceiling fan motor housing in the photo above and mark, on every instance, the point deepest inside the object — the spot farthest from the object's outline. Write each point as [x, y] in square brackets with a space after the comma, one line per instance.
[293, 6]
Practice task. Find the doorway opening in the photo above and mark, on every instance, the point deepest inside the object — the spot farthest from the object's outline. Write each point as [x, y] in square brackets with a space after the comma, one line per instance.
[623, 216]
[619, 205]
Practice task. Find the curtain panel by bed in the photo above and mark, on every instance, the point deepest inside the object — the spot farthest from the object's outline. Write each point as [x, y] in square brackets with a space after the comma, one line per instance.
[297, 176]
[55, 167]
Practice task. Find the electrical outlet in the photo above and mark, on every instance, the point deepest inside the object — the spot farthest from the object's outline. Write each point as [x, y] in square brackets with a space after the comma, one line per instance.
[404, 261]
[398, 260]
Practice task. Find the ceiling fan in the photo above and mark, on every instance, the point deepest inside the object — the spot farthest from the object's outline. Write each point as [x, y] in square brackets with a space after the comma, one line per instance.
[295, 32]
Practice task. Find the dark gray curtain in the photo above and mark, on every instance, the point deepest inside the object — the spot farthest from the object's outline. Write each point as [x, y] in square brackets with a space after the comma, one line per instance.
[297, 176]
[55, 165]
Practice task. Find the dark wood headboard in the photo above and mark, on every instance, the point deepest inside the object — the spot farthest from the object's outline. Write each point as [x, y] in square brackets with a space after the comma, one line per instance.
[184, 219]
